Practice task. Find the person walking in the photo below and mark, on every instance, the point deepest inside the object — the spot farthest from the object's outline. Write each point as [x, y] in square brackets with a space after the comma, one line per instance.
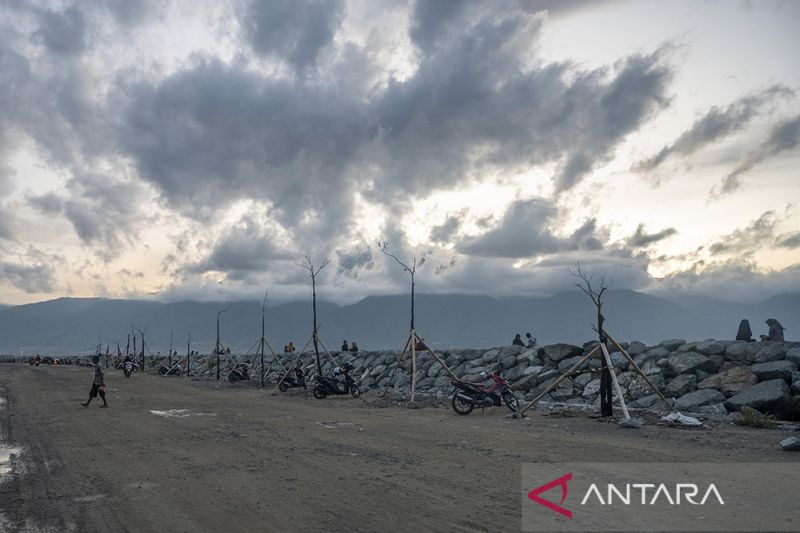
[98, 385]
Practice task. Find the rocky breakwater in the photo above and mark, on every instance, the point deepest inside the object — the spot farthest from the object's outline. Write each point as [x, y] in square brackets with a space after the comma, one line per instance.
[707, 377]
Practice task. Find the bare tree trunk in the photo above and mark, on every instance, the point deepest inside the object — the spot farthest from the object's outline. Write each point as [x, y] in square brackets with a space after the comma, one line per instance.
[606, 408]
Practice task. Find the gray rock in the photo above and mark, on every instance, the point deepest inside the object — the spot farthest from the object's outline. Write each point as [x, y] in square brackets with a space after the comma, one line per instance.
[636, 348]
[792, 444]
[671, 344]
[774, 369]
[681, 385]
[508, 361]
[513, 374]
[651, 368]
[714, 409]
[698, 398]
[533, 370]
[688, 362]
[631, 423]
[566, 364]
[763, 396]
[581, 380]
[619, 361]
[591, 388]
[561, 351]
[793, 355]
[653, 354]
[489, 356]
[639, 388]
[770, 351]
[645, 402]
[741, 351]
[731, 381]
[710, 347]
[547, 374]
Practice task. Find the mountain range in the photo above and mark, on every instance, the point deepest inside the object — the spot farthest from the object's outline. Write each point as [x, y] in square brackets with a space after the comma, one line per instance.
[77, 325]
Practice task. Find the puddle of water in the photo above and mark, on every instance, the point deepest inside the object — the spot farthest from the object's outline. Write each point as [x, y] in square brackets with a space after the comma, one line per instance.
[179, 413]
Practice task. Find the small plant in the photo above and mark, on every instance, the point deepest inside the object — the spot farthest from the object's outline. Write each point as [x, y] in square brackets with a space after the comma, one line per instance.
[755, 419]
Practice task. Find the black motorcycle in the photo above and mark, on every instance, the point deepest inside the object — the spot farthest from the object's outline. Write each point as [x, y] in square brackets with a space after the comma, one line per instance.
[239, 372]
[468, 395]
[331, 386]
[128, 367]
[290, 380]
[174, 370]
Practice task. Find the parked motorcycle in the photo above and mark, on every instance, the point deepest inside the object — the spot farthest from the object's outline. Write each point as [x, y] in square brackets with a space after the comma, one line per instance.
[174, 370]
[290, 379]
[331, 386]
[467, 395]
[127, 368]
[239, 372]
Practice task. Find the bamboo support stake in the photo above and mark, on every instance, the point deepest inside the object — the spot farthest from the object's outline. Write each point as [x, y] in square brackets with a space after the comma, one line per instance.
[561, 378]
[617, 388]
[639, 370]
[413, 365]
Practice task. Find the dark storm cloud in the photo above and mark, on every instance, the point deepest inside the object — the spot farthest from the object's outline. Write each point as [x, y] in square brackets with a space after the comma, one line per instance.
[789, 240]
[33, 272]
[293, 30]
[526, 231]
[448, 229]
[242, 249]
[62, 32]
[475, 103]
[784, 136]
[641, 238]
[352, 261]
[214, 134]
[716, 124]
[745, 241]
[105, 212]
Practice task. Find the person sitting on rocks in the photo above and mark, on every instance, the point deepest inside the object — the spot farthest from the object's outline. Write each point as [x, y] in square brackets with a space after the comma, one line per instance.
[531, 340]
[517, 340]
[745, 333]
[354, 347]
[344, 346]
[775, 333]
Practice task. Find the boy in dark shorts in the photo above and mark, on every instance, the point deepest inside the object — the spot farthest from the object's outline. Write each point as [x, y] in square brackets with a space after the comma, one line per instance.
[98, 386]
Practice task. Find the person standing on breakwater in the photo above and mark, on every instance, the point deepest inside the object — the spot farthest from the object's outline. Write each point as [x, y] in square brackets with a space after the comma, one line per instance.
[98, 385]
[745, 333]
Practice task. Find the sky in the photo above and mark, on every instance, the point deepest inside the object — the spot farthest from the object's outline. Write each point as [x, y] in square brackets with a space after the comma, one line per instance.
[176, 150]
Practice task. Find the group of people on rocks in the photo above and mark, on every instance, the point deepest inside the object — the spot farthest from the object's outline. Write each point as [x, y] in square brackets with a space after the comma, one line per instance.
[529, 342]
[774, 334]
[353, 347]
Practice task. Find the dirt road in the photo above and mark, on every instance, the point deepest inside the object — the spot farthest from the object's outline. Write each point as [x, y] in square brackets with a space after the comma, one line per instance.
[244, 459]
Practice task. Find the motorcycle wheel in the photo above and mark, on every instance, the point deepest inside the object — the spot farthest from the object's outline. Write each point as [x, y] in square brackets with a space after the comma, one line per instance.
[355, 392]
[283, 387]
[319, 392]
[511, 401]
[460, 406]
[232, 377]
[127, 374]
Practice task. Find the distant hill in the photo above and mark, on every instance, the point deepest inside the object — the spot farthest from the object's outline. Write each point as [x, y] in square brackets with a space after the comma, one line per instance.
[77, 325]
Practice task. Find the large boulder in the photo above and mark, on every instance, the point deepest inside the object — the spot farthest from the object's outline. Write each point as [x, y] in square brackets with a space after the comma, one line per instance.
[683, 384]
[591, 388]
[671, 344]
[636, 348]
[698, 398]
[770, 351]
[741, 351]
[566, 364]
[731, 381]
[793, 355]
[774, 369]
[710, 347]
[763, 396]
[561, 351]
[686, 363]
[653, 354]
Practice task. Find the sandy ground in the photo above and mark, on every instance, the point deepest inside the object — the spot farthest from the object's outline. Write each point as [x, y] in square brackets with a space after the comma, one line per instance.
[243, 459]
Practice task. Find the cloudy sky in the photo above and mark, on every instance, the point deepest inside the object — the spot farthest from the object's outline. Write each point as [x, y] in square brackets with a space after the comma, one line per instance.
[172, 149]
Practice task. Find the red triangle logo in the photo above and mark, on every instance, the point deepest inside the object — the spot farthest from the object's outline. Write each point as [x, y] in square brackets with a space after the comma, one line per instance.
[562, 482]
